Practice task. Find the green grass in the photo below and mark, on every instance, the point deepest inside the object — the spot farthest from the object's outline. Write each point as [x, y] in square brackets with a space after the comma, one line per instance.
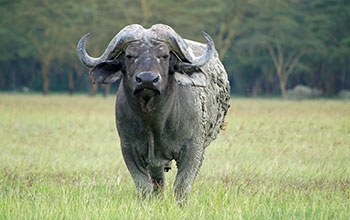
[60, 159]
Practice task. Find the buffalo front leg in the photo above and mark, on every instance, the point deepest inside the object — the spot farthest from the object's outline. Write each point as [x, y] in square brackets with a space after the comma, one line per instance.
[158, 179]
[139, 174]
[188, 165]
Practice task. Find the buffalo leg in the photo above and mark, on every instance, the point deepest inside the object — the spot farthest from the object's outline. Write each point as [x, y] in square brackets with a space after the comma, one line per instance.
[158, 179]
[188, 167]
[138, 173]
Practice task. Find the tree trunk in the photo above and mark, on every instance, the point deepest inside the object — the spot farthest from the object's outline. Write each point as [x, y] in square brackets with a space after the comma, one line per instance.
[45, 69]
[283, 88]
[79, 72]
[106, 89]
[93, 87]
[2, 81]
[284, 67]
[92, 90]
[70, 82]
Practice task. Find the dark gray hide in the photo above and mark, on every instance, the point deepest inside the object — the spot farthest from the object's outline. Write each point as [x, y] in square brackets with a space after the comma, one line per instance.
[171, 102]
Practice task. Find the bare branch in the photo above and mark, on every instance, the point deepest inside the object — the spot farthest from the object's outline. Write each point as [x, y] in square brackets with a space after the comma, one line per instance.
[273, 55]
[294, 63]
[289, 60]
[220, 37]
[280, 54]
[227, 42]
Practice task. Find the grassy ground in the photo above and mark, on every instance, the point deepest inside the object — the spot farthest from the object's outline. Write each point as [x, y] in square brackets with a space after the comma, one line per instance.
[60, 159]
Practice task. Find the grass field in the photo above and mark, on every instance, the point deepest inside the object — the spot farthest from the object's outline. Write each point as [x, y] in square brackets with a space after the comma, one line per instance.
[60, 159]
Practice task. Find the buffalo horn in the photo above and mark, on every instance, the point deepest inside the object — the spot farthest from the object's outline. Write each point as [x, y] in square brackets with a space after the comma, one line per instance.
[179, 46]
[115, 46]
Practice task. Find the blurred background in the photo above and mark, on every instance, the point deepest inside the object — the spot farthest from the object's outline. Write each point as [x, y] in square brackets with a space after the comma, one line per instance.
[268, 47]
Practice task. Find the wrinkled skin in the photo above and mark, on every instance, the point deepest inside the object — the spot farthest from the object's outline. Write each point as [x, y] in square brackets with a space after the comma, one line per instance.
[167, 121]
[160, 116]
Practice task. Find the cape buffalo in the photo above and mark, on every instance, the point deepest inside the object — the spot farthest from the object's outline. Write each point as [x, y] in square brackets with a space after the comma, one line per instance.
[172, 100]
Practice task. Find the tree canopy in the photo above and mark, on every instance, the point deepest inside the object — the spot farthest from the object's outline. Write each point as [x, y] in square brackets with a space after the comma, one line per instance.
[266, 46]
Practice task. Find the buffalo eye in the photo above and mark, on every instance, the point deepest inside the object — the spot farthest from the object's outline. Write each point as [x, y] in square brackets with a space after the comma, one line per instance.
[165, 56]
[129, 57]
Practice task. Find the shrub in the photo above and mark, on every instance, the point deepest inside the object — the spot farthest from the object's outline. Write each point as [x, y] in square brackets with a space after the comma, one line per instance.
[301, 92]
[344, 94]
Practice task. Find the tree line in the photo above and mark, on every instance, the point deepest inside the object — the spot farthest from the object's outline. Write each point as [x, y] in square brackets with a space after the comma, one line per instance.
[267, 47]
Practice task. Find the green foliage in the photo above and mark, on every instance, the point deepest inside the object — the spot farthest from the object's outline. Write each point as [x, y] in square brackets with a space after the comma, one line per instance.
[60, 159]
[266, 46]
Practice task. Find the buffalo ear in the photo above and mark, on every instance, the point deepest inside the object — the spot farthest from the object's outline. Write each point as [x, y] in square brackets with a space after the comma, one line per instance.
[106, 72]
[187, 74]
[195, 79]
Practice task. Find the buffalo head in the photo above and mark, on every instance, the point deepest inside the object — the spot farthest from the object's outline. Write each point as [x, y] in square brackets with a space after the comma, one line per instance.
[147, 60]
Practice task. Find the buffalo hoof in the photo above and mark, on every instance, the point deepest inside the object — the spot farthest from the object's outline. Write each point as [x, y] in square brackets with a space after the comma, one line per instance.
[167, 167]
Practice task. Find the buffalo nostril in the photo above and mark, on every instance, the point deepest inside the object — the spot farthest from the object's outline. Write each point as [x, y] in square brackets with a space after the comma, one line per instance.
[138, 79]
[156, 79]
[147, 79]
